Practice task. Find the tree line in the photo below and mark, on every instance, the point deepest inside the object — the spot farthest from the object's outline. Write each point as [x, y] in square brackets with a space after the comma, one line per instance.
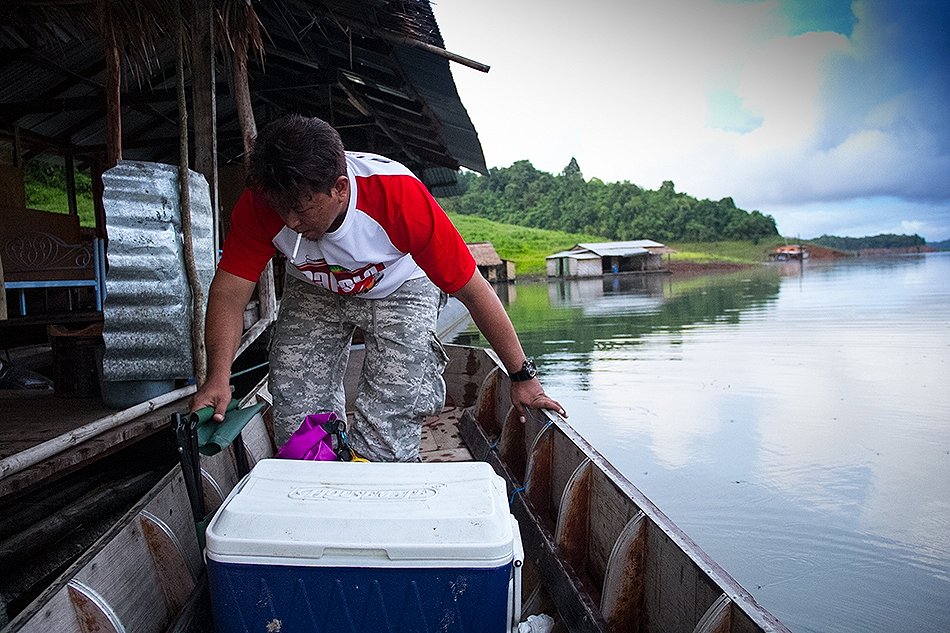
[885, 240]
[523, 195]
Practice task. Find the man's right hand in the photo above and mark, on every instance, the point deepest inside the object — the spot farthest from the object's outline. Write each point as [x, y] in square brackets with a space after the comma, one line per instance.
[227, 298]
[215, 395]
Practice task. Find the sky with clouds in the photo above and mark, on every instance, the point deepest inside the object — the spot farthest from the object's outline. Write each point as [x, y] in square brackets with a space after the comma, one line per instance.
[833, 116]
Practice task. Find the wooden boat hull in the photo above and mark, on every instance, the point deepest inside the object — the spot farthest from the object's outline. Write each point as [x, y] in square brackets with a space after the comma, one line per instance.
[599, 555]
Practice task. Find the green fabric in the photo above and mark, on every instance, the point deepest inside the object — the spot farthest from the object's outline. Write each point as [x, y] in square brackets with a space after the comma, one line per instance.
[213, 437]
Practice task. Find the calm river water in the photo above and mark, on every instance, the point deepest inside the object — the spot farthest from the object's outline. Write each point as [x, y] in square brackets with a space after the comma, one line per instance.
[795, 422]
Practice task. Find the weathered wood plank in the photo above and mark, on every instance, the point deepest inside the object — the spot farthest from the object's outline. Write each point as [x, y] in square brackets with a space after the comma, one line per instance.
[56, 525]
[610, 512]
[46, 422]
[673, 559]
[440, 432]
[57, 615]
[576, 608]
[195, 615]
[441, 441]
[678, 594]
[257, 440]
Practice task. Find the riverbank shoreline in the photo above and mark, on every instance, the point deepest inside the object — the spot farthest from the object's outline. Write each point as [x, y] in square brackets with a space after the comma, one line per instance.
[690, 268]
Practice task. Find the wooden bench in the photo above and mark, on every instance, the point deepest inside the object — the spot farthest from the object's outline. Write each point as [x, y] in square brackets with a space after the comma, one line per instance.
[41, 250]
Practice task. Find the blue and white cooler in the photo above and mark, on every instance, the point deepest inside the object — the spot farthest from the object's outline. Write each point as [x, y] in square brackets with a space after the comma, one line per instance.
[307, 546]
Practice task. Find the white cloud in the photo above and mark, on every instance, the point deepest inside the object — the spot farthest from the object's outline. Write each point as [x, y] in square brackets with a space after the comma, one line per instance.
[626, 89]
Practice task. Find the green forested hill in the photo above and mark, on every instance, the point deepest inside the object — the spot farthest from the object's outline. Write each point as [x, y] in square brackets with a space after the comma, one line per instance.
[523, 195]
[885, 240]
[527, 247]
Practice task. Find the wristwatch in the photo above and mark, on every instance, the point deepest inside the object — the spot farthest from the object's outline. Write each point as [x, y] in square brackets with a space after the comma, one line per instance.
[527, 372]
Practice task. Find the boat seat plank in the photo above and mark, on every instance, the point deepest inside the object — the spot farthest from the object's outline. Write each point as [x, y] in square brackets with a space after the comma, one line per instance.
[538, 489]
[624, 581]
[95, 615]
[488, 408]
[717, 618]
[174, 575]
[573, 530]
[511, 444]
[453, 455]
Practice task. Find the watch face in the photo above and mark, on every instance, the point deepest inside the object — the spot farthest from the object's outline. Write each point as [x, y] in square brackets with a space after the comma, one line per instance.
[527, 371]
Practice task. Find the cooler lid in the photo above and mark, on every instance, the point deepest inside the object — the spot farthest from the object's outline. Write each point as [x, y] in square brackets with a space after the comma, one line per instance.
[364, 515]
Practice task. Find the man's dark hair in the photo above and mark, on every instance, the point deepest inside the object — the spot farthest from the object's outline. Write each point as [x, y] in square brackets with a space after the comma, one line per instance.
[295, 155]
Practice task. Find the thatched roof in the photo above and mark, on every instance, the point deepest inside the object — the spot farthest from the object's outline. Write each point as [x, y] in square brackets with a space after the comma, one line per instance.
[367, 66]
[484, 254]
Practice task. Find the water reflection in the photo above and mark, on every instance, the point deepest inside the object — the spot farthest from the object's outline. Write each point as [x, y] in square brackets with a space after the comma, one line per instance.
[629, 293]
[795, 423]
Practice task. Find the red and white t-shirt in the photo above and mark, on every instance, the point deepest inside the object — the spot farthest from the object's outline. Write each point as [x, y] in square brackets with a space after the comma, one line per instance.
[394, 230]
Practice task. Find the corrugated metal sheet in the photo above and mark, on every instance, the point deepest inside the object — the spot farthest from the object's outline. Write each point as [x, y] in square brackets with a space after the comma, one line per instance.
[624, 249]
[574, 255]
[147, 311]
[620, 249]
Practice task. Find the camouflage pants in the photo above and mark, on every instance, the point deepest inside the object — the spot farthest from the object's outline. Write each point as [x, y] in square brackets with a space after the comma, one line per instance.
[401, 380]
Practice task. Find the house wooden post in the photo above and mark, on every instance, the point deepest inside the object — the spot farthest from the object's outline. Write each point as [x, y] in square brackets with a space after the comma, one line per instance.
[266, 290]
[198, 358]
[113, 87]
[203, 101]
[3, 295]
[71, 183]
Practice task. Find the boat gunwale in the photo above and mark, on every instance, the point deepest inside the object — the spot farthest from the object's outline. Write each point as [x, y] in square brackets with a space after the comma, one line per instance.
[545, 420]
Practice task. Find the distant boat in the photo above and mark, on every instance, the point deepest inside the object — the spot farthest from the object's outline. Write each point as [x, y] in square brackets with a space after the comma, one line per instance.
[788, 252]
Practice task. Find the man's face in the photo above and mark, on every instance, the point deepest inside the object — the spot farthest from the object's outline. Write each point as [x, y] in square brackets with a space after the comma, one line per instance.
[318, 212]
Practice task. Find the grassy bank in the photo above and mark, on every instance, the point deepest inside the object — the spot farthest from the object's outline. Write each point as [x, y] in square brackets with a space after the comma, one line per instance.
[528, 247]
[730, 252]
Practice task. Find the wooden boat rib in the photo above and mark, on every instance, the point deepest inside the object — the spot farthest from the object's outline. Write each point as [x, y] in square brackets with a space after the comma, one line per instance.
[599, 555]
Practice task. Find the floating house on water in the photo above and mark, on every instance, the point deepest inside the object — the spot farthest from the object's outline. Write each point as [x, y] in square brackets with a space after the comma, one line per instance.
[490, 264]
[788, 252]
[599, 258]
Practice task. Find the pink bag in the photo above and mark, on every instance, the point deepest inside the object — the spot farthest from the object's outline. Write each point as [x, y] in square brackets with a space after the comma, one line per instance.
[313, 440]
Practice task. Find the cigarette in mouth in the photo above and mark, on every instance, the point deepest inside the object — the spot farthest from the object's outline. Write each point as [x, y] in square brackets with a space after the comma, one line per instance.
[293, 258]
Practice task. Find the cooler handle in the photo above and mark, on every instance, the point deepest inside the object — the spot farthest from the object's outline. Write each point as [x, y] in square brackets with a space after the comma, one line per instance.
[517, 560]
